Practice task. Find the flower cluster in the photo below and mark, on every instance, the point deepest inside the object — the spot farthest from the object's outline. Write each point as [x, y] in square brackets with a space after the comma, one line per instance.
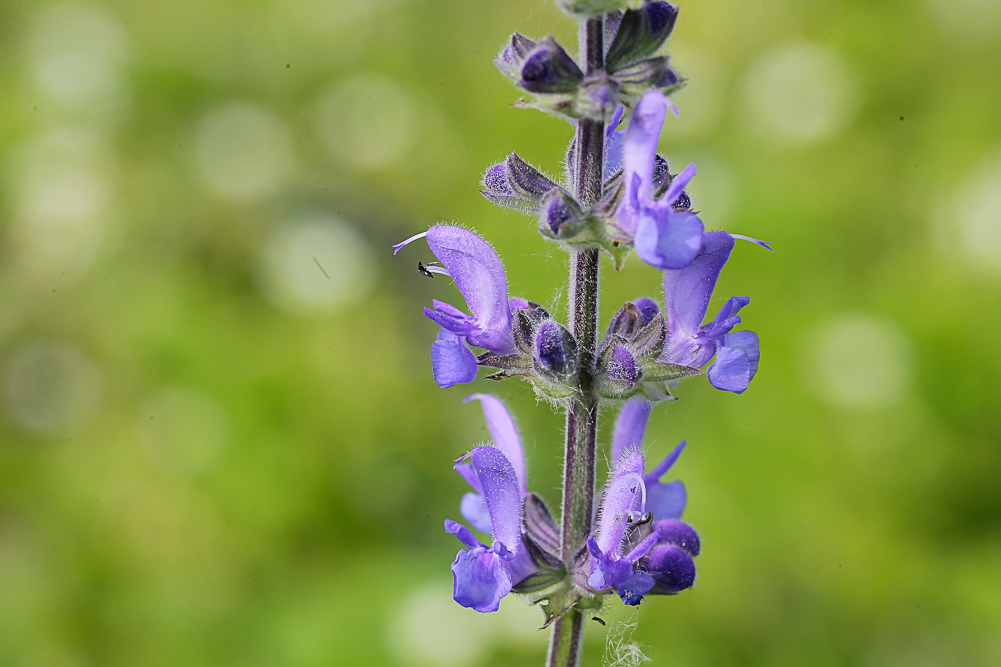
[639, 547]
[632, 66]
[643, 353]
[618, 195]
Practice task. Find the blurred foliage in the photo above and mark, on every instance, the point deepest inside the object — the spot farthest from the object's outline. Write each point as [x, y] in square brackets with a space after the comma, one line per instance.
[220, 443]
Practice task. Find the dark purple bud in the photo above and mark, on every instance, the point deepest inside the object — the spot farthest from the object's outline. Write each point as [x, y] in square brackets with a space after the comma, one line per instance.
[640, 34]
[540, 528]
[626, 322]
[549, 69]
[560, 217]
[680, 534]
[672, 569]
[555, 349]
[516, 184]
[648, 310]
[668, 79]
[510, 59]
[621, 367]
[632, 317]
[525, 321]
[619, 372]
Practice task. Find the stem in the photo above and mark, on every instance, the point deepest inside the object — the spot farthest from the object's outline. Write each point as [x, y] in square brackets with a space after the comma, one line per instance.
[582, 413]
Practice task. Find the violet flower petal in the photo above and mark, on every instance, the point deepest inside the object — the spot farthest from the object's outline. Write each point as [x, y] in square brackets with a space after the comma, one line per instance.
[464, 534]
[687, 293]
[630, 427]
[678, 185]
[465, 470]
[502, 494]
[459, 324]
[474, 510]
[638, 152]
[679, 534]
[666, 501]
[736, 362]
[452, 362]
[479, 580]
[504, 434]
[635, 587]
[672, 569]
[668, 240]
[618, 499]
[614, 142]
[480, 278]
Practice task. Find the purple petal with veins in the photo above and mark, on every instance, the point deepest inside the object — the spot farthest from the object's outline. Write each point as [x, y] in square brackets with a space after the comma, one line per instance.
[504, 434]
[502, 493]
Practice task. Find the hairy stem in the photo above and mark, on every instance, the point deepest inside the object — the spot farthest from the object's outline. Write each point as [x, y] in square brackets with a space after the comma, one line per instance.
[582, 414]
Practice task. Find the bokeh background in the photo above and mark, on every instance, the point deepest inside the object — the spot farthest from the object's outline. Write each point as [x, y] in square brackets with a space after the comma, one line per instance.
[220, 442]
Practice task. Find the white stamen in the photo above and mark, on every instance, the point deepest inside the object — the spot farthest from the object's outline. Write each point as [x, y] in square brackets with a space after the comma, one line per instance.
[437, 269]
[396, 248]
[641, 487]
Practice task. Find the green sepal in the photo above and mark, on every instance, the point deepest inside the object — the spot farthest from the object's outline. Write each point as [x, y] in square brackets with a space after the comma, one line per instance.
[637, 38]
[655, 371]
[592, 8]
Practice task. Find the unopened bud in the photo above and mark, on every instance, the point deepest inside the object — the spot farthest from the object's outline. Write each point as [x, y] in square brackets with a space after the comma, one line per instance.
[539, 67]
[560, 218]
[516, 184]
[641, 33]
[555, 349]
[618, 372]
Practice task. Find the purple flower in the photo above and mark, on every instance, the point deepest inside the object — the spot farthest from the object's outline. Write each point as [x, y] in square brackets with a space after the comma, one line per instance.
[505, 438]
[483, 575]
[663, 237]
[629, 554]
[610, 567]
[480, 278]
[689, 343]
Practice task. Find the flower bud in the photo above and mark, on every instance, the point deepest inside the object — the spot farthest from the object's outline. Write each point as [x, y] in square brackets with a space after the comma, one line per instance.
[542, 67]
[636, 79]
[555, 350]
[509, 60]
[560, 218]
[619, 373]
[632, 317]
[524, 323]
[641, 33]
[516, 184]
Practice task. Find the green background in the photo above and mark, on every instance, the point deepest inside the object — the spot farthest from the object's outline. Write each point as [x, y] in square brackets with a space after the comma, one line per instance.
[212, 453]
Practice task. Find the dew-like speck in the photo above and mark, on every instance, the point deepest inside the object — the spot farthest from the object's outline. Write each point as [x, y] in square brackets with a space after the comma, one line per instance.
[316, 264]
